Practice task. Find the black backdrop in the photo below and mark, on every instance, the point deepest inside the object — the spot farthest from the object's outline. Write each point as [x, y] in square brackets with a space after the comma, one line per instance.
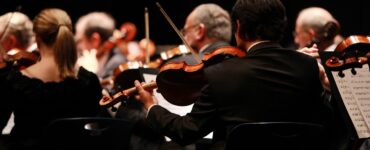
[351, 14]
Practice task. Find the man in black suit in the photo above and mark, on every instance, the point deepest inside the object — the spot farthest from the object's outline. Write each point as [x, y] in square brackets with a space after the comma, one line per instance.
[271, 83]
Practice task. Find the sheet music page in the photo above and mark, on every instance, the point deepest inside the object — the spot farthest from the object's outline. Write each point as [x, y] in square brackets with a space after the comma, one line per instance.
[355, 93]
[180, 110]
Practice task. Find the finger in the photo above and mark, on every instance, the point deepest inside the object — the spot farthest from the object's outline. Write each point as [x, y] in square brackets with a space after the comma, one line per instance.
[314, 45]
[138, 86]
[137, 97]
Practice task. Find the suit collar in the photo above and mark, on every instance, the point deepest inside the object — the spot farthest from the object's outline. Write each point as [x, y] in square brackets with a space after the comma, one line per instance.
[211, 47]
[263, 45]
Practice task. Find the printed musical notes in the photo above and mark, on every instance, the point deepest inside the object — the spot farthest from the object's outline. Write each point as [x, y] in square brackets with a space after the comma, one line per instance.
[355, 93]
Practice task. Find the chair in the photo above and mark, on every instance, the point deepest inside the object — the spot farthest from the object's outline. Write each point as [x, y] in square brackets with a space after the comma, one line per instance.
[87, 133]
[277, 135]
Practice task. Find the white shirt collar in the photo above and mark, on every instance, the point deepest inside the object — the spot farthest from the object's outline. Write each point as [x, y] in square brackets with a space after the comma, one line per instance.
[254, 44]
[203, 48]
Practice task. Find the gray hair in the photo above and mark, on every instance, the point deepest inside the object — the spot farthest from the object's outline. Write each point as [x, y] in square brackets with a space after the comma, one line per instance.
[19, 25]
[99, 22]
[216, 20]
[315, 18]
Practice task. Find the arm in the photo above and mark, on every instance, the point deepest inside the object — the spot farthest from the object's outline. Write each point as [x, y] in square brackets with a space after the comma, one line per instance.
[313, 51]
[181, 129]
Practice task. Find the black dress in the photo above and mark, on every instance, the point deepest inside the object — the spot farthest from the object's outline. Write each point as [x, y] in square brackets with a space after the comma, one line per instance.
[35, 103]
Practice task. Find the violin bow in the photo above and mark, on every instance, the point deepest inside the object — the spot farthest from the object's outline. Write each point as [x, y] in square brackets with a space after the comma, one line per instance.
[196, 56]
[147, 56]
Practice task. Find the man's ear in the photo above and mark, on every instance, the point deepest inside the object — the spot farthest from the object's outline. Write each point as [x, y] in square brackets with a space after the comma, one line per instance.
[95, 40]
[13, 41]
[237, 31]
[9, 42]
[312, 33]
[201, 32]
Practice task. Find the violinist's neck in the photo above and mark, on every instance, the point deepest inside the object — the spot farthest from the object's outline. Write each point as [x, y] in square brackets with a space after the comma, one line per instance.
[46, 69]
[204, 43]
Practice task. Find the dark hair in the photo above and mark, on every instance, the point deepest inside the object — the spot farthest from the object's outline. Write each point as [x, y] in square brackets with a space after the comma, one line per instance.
[260, 19]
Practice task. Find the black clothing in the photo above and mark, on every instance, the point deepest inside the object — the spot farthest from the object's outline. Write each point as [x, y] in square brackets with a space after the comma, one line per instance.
[35, 103]
[269, 84]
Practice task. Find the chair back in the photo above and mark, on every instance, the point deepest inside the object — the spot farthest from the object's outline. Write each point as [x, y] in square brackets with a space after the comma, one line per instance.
[87, 133]
[277, 135]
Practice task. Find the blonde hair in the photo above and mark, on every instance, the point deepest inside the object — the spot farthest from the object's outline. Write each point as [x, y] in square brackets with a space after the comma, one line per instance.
[54, 28]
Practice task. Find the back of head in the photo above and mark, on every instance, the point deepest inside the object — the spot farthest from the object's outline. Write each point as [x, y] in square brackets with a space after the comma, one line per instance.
[320, 20]
[53, 28]
[216, 20]
[99, 22]
[19, 25]
[260, 19]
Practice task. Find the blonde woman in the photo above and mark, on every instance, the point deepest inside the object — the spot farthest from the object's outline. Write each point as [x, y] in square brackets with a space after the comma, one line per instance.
[51, 88]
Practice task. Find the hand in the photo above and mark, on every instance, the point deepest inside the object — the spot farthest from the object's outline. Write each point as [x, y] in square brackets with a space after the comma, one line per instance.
[312, 51]
[144, 96]
[88, 60]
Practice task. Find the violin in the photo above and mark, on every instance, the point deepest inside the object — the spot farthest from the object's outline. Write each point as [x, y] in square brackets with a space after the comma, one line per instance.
[125, 72]
[164, 57]
[167, 55]
[126, 33]
[352, 52]
[15, 58]
[178, 82]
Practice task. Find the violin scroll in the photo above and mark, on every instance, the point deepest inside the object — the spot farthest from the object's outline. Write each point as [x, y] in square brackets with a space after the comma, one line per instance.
[353, 52]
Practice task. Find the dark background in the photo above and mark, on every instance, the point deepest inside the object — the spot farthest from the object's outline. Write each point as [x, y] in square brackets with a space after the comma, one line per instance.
[351, 14]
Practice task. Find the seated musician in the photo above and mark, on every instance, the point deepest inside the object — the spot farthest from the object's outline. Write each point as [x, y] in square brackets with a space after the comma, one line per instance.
[18, 33]
[316, 27]
[17, 41]
[206, 28]
[93, 33]
[270, 83]
[52, 88]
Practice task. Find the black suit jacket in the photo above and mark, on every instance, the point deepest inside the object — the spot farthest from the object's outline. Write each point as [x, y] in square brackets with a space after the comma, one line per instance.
[269, 84]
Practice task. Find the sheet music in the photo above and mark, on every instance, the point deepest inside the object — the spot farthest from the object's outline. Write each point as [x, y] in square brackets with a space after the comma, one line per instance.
[180, 110]
[355, 93]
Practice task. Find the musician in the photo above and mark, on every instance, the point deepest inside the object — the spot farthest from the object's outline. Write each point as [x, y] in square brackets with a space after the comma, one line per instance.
[206, 28]
[315, 25]
[270, 83]
[93, 31]
[17, 41]
[18, 34]
[50, 89]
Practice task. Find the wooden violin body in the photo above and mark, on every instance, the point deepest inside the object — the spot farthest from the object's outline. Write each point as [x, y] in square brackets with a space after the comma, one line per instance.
[19, 59]
[179, 83]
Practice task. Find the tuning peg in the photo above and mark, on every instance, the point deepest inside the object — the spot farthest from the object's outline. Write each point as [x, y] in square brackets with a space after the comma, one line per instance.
[354, 72]
[341, 74]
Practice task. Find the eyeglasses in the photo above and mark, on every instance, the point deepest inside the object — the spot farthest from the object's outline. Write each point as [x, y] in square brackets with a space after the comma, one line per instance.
[185, 30]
